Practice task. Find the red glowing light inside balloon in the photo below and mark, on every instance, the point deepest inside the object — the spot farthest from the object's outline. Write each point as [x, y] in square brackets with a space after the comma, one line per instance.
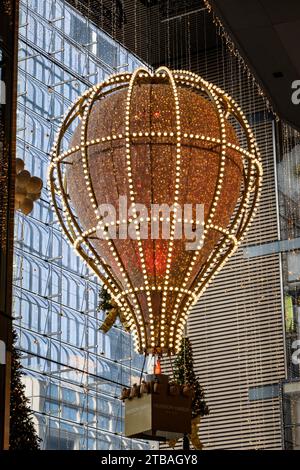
[156, 259]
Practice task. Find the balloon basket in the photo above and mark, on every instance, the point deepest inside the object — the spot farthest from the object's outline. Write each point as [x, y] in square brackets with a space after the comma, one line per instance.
[157, 409]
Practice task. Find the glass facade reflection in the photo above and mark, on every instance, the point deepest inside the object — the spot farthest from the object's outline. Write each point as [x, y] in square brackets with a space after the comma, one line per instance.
[288, 171]
[74, 373]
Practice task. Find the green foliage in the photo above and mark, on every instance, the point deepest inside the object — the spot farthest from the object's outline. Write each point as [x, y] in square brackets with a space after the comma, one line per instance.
[184, 374]
[23, 435]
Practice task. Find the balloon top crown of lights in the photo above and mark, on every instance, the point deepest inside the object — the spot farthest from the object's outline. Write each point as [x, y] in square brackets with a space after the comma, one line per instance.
[167, 139]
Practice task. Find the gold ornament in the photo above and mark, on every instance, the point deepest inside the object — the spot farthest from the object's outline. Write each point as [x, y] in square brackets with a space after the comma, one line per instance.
[125, 393]
[34, 185]
[194, 436]
[111, 317]
[26, 206]
[168, 138]
[19, 165]
[144, 387]
[174, 389]
[109, 320]
[134, 391]
[22, 179]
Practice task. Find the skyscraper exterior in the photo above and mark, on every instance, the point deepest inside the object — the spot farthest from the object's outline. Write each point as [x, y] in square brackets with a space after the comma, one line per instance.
[245, 330]
[73, 372]
[237, 328]
[289, 216]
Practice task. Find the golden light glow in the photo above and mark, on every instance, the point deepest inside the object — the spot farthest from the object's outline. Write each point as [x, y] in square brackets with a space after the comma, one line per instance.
[168, 137]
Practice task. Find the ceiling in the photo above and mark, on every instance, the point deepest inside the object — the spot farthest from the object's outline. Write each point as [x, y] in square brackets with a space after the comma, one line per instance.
[267, 33]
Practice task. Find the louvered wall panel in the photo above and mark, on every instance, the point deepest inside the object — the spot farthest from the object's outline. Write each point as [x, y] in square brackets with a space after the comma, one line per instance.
[236, 328]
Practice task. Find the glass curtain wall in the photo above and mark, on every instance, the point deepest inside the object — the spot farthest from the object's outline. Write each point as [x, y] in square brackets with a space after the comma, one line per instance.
[74, 373]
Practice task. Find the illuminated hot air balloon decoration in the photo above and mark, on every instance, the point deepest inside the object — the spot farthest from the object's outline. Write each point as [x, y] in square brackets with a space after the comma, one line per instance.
[168, 138]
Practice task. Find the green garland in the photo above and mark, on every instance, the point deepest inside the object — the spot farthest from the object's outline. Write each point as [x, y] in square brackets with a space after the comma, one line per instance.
[23, 435]
[184, 374]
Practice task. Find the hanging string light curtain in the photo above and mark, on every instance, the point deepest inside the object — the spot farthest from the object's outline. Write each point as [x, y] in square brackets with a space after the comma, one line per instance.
[233, 50]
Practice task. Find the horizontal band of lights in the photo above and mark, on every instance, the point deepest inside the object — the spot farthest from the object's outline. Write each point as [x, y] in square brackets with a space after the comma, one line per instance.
[153, 332]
